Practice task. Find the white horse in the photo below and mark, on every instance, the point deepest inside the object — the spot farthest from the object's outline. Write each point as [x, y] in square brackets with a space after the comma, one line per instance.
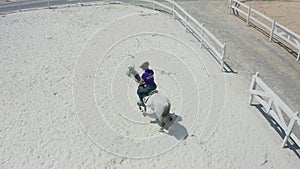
[158, 103]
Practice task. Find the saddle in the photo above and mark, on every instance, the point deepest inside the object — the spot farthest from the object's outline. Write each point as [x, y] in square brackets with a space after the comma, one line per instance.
[148, 95]
[151, 93]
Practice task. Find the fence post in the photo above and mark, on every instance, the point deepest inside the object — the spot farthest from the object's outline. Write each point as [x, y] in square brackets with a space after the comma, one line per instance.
[153, 7]
[229, 5]
[248, 16]
[253, 86]
[269, 105]
[223, 56]
[173, 11]
[133, 2]
[298, 57]
[49, 4]
[186, 15]
[186, 19]
[289, 130]
[272, 30]
[202, 35]
[19, 8]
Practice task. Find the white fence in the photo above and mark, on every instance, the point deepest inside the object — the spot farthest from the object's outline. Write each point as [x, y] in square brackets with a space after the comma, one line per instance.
[275, 28]
[276, 108]
[207, 39]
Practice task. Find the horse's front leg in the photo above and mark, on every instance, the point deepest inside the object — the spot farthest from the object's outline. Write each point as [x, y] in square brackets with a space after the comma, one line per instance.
[143, 109]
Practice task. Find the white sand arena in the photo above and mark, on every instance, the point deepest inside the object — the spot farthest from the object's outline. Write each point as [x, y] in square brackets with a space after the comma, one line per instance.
[66, 101]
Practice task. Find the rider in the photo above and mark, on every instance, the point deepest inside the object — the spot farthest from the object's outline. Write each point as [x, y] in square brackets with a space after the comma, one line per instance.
[147, 83]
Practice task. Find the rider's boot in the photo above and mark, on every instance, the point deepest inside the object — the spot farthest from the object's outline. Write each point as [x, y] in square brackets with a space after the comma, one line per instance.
[140, 103]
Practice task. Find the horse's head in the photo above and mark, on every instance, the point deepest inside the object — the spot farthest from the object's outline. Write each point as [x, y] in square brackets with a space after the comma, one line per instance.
[132, 73]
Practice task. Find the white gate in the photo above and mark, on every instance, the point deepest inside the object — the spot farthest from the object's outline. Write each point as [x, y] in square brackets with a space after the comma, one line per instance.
[276, 108]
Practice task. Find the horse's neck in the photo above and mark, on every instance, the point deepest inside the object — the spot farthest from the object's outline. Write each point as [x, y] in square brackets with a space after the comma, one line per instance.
[134, 74]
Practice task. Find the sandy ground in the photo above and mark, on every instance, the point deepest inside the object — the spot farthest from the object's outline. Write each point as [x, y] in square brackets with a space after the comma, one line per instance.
[249, 50]
[64, 104]
[284, 12]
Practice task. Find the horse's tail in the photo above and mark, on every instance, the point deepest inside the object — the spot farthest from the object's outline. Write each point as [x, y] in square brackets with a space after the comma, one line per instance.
[166, 117]
[167, 109]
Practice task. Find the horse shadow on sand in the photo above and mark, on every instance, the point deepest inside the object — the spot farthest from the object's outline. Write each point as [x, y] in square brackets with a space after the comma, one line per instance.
[177, 130]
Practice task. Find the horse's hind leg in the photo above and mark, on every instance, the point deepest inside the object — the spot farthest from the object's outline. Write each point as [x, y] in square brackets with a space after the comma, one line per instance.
[166, 117]
[165, 120]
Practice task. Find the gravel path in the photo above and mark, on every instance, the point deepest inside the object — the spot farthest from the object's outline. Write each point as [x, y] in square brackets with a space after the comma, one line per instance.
[249, 51]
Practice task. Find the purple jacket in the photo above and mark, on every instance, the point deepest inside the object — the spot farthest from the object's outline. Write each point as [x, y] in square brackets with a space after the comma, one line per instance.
[148, 76]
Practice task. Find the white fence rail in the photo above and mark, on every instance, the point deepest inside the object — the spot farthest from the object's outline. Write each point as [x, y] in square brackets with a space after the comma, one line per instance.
[207, 39]
[275, 28]
[217, 48]
[276, 108]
